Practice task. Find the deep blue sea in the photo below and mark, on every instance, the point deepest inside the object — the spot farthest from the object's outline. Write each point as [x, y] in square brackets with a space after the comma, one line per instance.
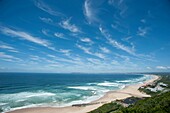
[21, 90]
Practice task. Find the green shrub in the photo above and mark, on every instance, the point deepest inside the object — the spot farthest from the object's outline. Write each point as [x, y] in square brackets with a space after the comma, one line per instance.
[156, 104]
[107, 108]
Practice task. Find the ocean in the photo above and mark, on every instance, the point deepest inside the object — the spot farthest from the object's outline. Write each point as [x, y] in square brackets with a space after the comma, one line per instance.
[22, 90]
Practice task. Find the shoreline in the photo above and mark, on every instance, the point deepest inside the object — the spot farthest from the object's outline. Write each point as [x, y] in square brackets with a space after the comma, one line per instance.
[128, 91]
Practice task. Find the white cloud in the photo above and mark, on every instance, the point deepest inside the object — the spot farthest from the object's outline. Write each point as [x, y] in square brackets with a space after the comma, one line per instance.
[59, 35]
[143, 20]
[46, 20]
[7, 57]
[126, 58]
[120, 6]
[142, 31]
[120, 27]
[114, 62]
[129, 49]
[100, 55]
[7, 47]
[94, 61]
[163, 67]
[90, 11]
[52, 56]
[71, 27]
[87, 40]
[148, 67]
[35, 58]
[87, 50]
[115, 2]
[3, 55]
[73, 60]
[65, 51]
[105, 50]
[44, 7]
[25, 36]
[121, 46]
[45, 32]
[127, 38]
[115, 43]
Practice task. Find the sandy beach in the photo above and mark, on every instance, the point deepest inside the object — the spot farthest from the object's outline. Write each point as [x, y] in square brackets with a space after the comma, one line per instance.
[128, 91]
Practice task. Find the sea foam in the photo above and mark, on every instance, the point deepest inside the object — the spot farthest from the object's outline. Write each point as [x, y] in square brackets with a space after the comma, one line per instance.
[66, 95]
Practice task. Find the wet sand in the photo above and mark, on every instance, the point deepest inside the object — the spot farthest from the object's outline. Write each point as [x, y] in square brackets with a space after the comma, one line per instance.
[128, 91]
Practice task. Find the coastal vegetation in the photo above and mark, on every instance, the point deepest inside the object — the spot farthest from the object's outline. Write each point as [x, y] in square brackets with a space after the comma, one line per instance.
[108, 108]
[158, 103]
[159, 86]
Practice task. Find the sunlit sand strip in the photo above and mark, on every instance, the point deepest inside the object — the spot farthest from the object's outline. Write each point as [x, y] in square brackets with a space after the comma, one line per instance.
[128, 91]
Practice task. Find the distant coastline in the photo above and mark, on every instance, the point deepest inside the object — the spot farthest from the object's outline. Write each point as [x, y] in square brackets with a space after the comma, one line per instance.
[128, 91]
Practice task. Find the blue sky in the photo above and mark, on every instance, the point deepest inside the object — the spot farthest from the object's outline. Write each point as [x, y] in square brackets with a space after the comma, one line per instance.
[91, 36]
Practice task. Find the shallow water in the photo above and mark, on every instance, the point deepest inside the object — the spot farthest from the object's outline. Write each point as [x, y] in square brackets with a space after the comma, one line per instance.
[21, 90]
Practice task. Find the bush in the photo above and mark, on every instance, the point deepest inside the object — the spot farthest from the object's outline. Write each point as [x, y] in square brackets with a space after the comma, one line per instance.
[156, 104]
[107, 108]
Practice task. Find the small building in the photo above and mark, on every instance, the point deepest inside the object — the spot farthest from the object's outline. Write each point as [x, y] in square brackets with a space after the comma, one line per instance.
[162, 84]
[155, 89]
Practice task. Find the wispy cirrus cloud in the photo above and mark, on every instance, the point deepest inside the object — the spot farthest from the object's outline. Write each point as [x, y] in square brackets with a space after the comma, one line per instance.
[91, 11]
[66, 24]
[94, 61]
[86, 40]
[120, 12]
[3, 55]
[34, 57]
[65, 51]
[46, 8]
[120, 27]
[125, 58]
[60, 35]
[127, 38]
[8, 47]
[104, 49]
[128, 49]
[120, 7]
[88, 51]
[115, 2]
[9, 58]
[45, 32]
[163, 67]
[46, 20]
[85, 49]
[66, 60]
[100, 55]
[143, 21]
[148, 67]
[25, 36]
[142, 31]
[115, 43]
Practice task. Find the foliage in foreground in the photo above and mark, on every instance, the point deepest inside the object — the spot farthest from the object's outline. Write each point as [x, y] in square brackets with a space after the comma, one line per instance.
[156, 104]
[107, 108]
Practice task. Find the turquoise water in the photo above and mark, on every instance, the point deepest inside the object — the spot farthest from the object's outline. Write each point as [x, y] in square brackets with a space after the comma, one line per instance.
[22, 90]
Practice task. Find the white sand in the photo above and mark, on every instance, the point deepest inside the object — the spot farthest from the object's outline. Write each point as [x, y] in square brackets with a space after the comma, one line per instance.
[108, 97]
